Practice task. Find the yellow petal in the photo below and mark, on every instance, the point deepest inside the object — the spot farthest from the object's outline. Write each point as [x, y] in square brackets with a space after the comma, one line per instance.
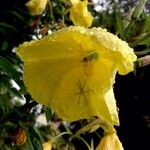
[36, 7]
[121, 51]
[73, 71]
[110, 142]
[79, 13]
[47, 145]
[74, 1]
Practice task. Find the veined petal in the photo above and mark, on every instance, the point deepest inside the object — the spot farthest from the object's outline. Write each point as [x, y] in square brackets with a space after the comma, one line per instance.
[73, 71]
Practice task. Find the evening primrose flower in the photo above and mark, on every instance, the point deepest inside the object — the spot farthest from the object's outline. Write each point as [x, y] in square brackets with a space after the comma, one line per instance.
[110, 141]
[73, 71]
[79, 13]
[36, 7]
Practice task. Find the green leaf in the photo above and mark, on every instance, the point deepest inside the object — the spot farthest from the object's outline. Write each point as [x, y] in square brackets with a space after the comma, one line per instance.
[35, 138]
[5, 25]
[15, 92]
[130, 30]
[139, 9]
[4, 33]
[119, 24]
[6, 147]
[6, 84]
[4, 45]
[146, 27]
[1, 148]
[143, 52]
[142, 39]
[9, 69]
[16, 15]
[5, 104]
[128, 18]
[38, 134]
[48, 113]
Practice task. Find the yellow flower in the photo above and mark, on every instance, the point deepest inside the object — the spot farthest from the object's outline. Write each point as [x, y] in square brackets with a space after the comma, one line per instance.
[73, 70]
[79, 13]
[110, 142]
[47, 145]
[36, 7]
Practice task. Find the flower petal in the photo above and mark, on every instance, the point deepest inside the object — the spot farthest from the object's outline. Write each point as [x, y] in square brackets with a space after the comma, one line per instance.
[73, 71]
[110, 142]
[74, 1]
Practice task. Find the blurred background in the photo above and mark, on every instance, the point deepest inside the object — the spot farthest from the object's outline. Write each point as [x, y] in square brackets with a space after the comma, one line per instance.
[25, 124]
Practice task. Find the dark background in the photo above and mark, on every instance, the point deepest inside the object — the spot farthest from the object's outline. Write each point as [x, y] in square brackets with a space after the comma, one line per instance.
[133, 98]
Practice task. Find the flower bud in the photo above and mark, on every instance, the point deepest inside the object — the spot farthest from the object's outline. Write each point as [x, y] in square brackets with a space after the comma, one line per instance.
[110, 141]
[36, 7]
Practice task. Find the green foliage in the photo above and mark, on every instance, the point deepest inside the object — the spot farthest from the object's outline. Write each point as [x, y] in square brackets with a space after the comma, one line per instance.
[48, 113]
[9, 69]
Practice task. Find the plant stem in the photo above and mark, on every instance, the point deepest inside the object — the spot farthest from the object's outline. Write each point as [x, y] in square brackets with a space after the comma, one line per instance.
[143, 61]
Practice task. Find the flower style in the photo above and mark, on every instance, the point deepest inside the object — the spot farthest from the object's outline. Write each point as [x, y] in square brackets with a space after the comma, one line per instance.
[79, 13]
[73, 71]
[36, 7]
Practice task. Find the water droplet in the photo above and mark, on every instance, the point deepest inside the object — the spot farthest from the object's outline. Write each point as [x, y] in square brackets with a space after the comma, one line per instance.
[70, 139]
[118, 109]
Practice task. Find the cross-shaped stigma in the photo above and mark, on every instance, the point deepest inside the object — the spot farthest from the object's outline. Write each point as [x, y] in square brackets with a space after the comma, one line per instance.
[82, 90]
